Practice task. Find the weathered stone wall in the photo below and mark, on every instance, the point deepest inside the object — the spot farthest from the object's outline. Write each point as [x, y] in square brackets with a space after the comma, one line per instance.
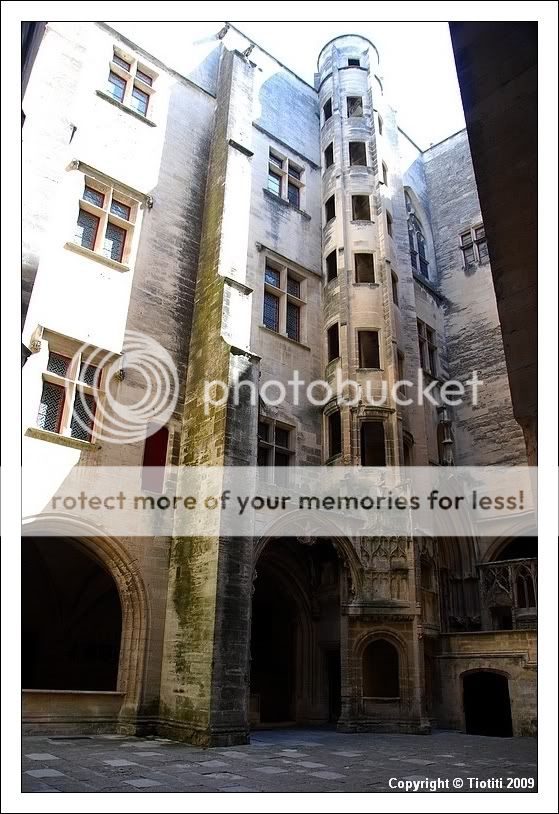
[486, 433]
[510, 652]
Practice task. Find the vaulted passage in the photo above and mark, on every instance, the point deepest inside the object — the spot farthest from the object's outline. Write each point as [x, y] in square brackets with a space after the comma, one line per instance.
[71, 618]
[487, 704]
[295, 639]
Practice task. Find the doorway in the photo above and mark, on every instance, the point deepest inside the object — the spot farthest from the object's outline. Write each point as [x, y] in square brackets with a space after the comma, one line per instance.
[295, 674]
[487, 709]
[71, 618]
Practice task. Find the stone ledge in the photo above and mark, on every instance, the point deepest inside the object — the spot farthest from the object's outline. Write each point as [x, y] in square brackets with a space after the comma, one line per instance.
[124, 108]
[285, 203]
[286, 338]
[62, 440]
[106, 261]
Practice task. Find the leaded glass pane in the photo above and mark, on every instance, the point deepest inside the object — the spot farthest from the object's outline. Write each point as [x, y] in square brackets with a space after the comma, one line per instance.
[293, 287]
[274, 183]
[116, 87]
[86, 229]
[58, 364]
[50, 408]
[271, 311]
[114, 242]
[139, 101]
[294, 195]
[93, 196]
[144, 77]
[293, 321]
[282, 437]
[120, 209]
[122, 62]
[272, 276]
[89, 374]
[83, 416]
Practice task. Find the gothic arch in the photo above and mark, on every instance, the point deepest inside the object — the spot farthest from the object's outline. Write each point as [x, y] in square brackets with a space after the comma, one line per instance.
[124, 569]
[343, 546]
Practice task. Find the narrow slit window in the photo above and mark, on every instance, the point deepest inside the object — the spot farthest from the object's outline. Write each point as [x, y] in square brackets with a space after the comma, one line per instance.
[395, 293]
[334, 434]
[389, 228]
[330, 209]
[331, 266]
[333, 340]
[327, 110]
[329, 156]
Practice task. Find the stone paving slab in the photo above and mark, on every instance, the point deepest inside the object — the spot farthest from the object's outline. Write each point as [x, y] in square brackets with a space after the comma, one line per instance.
[274, 762]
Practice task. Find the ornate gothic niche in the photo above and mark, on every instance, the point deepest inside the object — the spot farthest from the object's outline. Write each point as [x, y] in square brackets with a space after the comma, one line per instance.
[399, 589]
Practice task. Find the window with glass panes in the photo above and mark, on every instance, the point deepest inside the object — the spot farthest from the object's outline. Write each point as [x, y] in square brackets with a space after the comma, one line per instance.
[473, 244]
[417, 242]
[285, 178]
[130, 82]
[283, 300]
[427, 339]
[105, 221]
[275, 447]
[72, 387]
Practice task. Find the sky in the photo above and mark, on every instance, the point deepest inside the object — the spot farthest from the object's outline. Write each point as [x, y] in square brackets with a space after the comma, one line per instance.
[416, 64]
[416, 61]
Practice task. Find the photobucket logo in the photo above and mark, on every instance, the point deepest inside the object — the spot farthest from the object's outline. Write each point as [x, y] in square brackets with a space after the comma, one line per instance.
[125, 414]
[347, 392]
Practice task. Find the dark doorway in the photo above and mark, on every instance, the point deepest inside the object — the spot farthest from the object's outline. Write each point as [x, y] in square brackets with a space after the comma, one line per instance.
[71, 618]
[295, 636]
[272, 650]
[487, 704]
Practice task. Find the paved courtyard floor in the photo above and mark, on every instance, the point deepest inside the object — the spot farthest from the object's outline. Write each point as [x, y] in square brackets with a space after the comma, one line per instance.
[295, 760]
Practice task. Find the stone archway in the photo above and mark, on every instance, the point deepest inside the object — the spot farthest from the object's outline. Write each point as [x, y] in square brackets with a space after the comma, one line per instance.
[106, 560]
[296, 634]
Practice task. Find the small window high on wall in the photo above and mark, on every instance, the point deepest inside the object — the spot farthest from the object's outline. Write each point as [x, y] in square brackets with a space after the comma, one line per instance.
[155, 458]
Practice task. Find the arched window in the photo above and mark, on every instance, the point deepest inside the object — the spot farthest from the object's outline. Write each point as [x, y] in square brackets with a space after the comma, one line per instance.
[416, 237]
[381, 670]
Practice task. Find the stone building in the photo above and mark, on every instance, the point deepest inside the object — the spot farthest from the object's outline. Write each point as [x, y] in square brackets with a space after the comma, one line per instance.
[254, 225]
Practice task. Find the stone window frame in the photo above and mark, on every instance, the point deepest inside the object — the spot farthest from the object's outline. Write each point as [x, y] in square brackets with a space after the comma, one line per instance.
[368, 329]
[354, 205]
[285, 297]
[327, 110]
[329, 149]
[373, 419]
[472, 241]
[112, 193]
[380, 124]
[395, 288]
[328, 417]
[356, 163]
[389, 225]
[428, 348]
[354, 103]
[290, 174]
[418, 245]
[135, 77]
[76, 353]
[373, 269]
[269, 446]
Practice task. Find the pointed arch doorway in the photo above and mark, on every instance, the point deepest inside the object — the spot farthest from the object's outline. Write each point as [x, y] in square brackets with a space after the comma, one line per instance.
[295, 674]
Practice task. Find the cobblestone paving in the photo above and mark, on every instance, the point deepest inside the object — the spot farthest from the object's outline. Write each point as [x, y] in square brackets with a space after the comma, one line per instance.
[276, 761]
